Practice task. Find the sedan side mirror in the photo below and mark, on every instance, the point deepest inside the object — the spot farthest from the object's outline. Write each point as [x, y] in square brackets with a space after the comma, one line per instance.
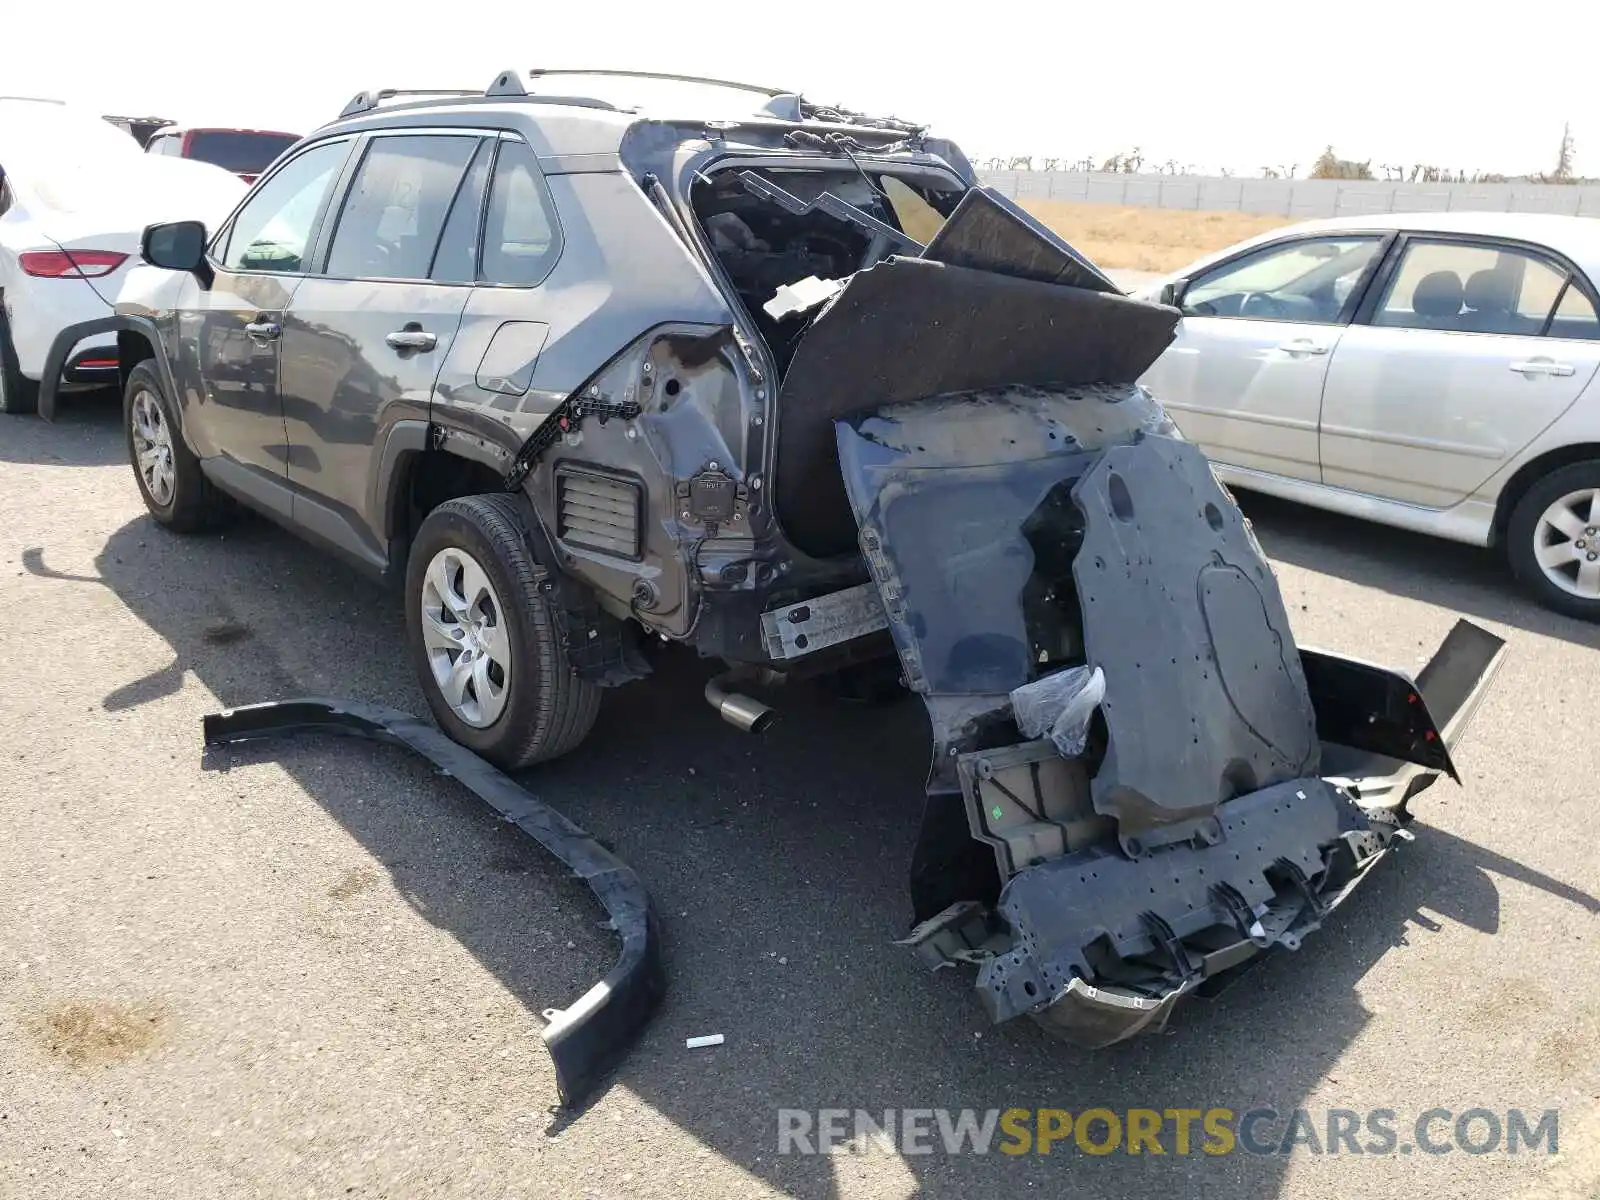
[1172, 293]
[177, 246]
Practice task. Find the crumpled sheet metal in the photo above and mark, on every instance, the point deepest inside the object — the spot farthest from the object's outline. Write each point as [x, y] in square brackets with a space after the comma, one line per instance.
[590, 1036]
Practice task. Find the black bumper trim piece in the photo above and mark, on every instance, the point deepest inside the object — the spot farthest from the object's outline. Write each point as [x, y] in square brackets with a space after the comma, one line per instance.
[590, 1036]
[55, 362]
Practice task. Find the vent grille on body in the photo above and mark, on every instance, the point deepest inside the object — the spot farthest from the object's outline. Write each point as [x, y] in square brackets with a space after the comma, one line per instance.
[599, 511]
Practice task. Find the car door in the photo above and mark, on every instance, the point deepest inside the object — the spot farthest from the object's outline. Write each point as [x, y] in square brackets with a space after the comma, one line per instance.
[258, 259]
[1466, 349]
[1243, 377]
[364, 337]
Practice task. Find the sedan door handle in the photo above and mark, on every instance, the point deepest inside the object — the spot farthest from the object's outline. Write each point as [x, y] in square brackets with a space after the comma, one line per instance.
[1542, 366]
[412, 339]
[263, 331]
[1303, 346]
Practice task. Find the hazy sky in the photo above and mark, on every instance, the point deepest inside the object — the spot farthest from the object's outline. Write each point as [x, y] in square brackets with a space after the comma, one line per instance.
[1237, 84]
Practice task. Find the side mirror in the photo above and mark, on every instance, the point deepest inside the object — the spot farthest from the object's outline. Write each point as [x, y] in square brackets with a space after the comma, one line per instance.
[1172, 293]
[177, 246]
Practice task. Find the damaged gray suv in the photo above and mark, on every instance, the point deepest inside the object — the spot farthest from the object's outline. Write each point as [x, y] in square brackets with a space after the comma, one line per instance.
[783, 383]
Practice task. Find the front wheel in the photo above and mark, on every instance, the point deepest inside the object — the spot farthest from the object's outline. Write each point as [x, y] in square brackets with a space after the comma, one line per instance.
[175, 489]
[486, 645]
[1553, 540]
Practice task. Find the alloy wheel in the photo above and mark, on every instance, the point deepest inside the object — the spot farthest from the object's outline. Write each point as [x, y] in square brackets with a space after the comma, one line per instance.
[152, 446]
[1566, 543]
[464, 631]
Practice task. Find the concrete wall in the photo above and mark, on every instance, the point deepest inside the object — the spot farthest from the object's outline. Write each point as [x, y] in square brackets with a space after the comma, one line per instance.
[1298, 198]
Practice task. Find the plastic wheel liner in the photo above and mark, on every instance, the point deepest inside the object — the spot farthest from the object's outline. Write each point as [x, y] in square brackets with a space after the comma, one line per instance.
[590, 1036]
[1043, 515]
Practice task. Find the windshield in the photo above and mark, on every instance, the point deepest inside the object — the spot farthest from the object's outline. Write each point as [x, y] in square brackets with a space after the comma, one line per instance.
[238, 151]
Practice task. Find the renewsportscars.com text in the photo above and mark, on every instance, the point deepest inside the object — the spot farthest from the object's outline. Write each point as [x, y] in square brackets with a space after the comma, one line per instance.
[1179, 1131]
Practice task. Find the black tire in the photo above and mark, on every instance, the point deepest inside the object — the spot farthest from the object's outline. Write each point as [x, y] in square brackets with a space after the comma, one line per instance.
[547, 710]
[1524, 537]
[195, 504]
[19, 395]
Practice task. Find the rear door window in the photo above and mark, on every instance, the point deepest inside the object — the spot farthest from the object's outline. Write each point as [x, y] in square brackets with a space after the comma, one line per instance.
[521, 240]
[1574, 316]
[396, 208]
[1472, 287]
[456, 260]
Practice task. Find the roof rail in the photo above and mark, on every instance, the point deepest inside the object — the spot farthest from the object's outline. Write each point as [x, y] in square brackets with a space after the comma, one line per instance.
[367, 101]
[506, 85]
[727, 83]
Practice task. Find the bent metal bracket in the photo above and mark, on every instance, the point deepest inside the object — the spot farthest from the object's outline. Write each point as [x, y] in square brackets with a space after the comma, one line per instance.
[590, 1036]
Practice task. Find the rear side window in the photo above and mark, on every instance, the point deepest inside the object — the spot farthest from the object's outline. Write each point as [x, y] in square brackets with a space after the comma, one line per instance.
[273, 229]
[520, 239]
[1466, 287]
[396, 209]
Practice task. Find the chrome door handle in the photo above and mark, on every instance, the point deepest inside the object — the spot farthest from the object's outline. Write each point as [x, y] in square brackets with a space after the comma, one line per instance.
[411, 339]
[1303, 346]
[263, 331]
[1542, 366]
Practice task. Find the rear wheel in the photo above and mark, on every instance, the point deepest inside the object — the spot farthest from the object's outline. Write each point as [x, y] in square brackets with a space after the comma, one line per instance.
[486, 646]
[174, 488]
[1553, 540]
[19, 395]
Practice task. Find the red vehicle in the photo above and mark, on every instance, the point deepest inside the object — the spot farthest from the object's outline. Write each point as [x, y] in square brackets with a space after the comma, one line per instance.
[245, 152]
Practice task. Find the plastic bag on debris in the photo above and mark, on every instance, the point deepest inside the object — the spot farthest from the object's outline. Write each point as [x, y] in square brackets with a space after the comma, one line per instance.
[1059, 706]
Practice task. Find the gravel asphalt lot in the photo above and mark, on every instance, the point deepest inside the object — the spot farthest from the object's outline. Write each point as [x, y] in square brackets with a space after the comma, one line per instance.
[317, 970]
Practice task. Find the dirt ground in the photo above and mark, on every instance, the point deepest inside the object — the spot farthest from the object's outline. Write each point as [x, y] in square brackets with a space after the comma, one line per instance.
[1147, 239]
[316, 969]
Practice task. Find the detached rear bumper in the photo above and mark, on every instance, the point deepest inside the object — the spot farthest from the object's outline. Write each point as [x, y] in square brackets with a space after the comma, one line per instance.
[589, 1037]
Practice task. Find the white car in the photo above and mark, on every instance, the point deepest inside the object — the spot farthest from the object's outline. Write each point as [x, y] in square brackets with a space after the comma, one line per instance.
[1434, 371]
[75, 196]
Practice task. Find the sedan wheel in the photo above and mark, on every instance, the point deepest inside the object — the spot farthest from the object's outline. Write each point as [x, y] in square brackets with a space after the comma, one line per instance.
[1565, 543]
[464, 630]
[1553, 539]
[152, 446]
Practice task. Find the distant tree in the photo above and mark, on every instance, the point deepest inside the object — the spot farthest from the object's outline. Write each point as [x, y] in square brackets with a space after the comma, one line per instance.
[1564, 156]
[1052, 164]
[1330, 166]
[1023, 162]
[1126, 163]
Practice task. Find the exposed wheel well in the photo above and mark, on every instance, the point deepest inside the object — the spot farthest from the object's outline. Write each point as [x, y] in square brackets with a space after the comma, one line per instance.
[431, 477]
[132, 349]
[1529, 474]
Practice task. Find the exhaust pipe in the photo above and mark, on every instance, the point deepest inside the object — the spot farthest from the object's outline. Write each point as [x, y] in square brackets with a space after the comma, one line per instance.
[740, 711]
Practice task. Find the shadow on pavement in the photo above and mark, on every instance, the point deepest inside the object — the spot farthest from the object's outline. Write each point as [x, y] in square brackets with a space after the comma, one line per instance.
[86, 433]
[1471, 580]
[778, 866]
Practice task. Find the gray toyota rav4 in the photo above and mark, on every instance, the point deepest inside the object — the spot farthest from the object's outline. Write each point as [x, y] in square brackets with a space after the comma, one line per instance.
[785, 384]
